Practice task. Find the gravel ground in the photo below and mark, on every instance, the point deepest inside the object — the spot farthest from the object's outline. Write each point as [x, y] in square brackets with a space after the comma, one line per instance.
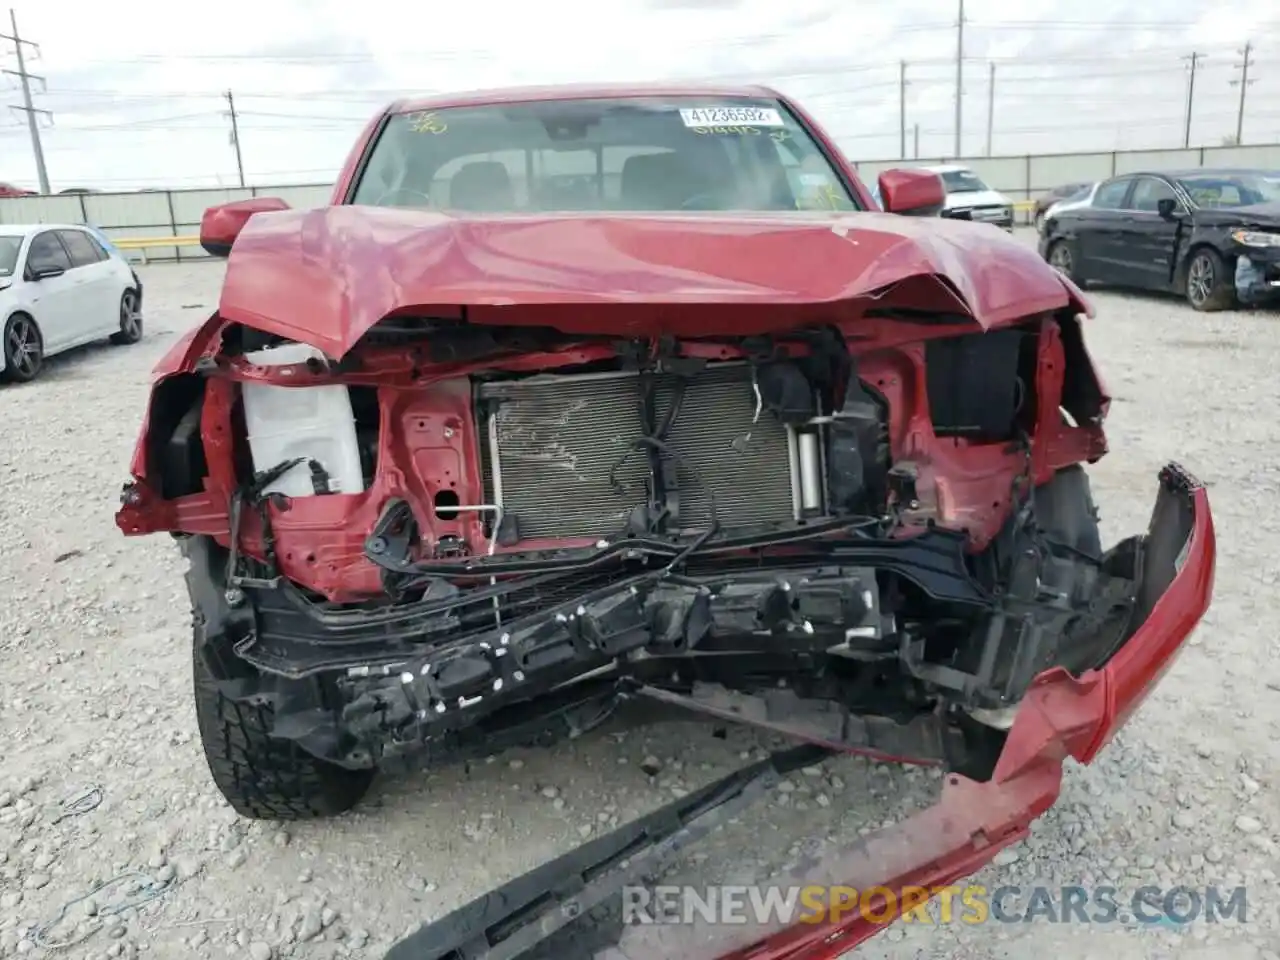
[94, 633]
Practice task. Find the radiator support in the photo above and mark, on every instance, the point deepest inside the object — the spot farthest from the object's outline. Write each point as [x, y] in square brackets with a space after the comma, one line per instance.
[565, 455]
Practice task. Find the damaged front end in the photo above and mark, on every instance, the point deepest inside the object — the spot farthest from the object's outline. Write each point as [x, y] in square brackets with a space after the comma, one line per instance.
[821, 477]
[1257, 273]
[872, 535]
[863, 522]
[1060, 716]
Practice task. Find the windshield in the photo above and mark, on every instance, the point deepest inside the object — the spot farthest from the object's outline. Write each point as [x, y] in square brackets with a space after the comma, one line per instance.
[9, 247]
[626, 154]
[1233, 189]
[962, 181]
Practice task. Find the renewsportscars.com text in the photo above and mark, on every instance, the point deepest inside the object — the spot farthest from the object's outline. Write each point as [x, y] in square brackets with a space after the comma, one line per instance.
[972, 904]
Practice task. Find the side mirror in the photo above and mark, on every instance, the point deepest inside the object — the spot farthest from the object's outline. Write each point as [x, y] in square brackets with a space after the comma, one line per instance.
[916, 193]
[1167, 207]
[46, 273]
[220, 226]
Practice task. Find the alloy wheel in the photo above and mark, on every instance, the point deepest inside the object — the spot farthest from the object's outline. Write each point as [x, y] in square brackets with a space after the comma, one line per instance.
[23, 348]
[130, 321]
[1200, 280]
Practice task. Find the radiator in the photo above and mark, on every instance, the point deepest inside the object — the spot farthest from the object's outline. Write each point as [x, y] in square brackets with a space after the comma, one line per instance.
[553, 440]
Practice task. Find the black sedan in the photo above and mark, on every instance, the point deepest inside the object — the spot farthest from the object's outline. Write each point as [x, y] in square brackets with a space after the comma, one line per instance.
[1066, 191]
[1210, 235]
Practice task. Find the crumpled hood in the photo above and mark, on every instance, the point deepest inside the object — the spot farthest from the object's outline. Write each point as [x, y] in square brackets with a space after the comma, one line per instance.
[325, 276]
[1265, 215]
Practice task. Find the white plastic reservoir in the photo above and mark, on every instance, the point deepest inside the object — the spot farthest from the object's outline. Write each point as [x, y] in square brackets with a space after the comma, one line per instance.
[312, 422]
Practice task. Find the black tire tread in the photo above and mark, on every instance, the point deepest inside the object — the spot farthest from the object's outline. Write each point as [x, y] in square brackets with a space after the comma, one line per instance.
[1074, 275]
[262, 777]
[1223, 296]
[8, 374]
[121, 339]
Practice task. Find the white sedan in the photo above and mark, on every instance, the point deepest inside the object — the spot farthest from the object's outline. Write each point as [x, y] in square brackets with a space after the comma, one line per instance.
[61, 287]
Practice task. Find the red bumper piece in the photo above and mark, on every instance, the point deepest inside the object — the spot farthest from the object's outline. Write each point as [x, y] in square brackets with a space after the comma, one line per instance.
[1060, 716]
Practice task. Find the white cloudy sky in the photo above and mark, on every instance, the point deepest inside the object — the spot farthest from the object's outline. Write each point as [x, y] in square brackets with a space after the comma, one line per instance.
[135, 88]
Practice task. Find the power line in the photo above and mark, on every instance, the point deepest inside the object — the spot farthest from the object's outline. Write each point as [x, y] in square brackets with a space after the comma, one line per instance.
[346, 95]
[462, 54]
[317, 123]
[991, 105]
[1244, 81]
[902, 108]
[1194, 57]
[472, 55]
[27, 107]
[235, 134]
[959, 73]
[1146, 123]
[1107, 25]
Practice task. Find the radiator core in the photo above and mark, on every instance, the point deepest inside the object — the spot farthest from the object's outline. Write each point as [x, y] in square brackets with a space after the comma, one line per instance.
[554, 440]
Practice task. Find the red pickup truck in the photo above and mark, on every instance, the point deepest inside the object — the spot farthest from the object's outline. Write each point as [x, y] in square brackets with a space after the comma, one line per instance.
[579, 395]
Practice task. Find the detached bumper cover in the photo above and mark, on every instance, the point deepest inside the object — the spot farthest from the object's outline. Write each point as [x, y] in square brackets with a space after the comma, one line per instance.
[1061, 716]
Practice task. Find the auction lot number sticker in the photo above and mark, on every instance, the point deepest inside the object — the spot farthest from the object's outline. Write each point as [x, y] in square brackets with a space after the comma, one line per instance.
[698, 117]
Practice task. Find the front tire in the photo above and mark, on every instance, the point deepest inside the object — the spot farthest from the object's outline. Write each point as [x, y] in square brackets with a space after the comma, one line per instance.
[263, 777]
[1062, 258]
[130, 319]
[1208, 285]
[23, 349]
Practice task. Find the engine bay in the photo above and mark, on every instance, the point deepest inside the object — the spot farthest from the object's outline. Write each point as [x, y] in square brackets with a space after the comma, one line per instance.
[448, 522]
[524, 443]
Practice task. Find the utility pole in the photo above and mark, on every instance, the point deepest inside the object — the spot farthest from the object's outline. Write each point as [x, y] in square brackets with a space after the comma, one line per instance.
[1244, 81]
[915, 152]
[902, 109]
[1193, 58]
[235, 134]
[991, 104]
[27, 107]
[959, 74]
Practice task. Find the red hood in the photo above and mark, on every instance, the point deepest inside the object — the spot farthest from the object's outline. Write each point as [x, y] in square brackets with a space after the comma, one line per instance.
[325, 276]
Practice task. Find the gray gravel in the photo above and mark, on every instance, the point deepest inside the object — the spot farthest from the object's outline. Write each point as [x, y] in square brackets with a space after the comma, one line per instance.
[96, 694]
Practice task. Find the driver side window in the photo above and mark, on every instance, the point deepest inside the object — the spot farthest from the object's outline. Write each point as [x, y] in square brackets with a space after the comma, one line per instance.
[1147, 194]
[47, 253]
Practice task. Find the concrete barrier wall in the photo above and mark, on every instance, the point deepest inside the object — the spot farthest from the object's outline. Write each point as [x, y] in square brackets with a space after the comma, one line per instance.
[153, 213]
[177, 213]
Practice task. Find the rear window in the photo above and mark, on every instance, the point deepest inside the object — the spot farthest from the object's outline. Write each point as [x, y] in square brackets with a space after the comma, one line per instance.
[622, 154]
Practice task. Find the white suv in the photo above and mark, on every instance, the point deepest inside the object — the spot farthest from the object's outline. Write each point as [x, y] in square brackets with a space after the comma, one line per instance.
[969, 198]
